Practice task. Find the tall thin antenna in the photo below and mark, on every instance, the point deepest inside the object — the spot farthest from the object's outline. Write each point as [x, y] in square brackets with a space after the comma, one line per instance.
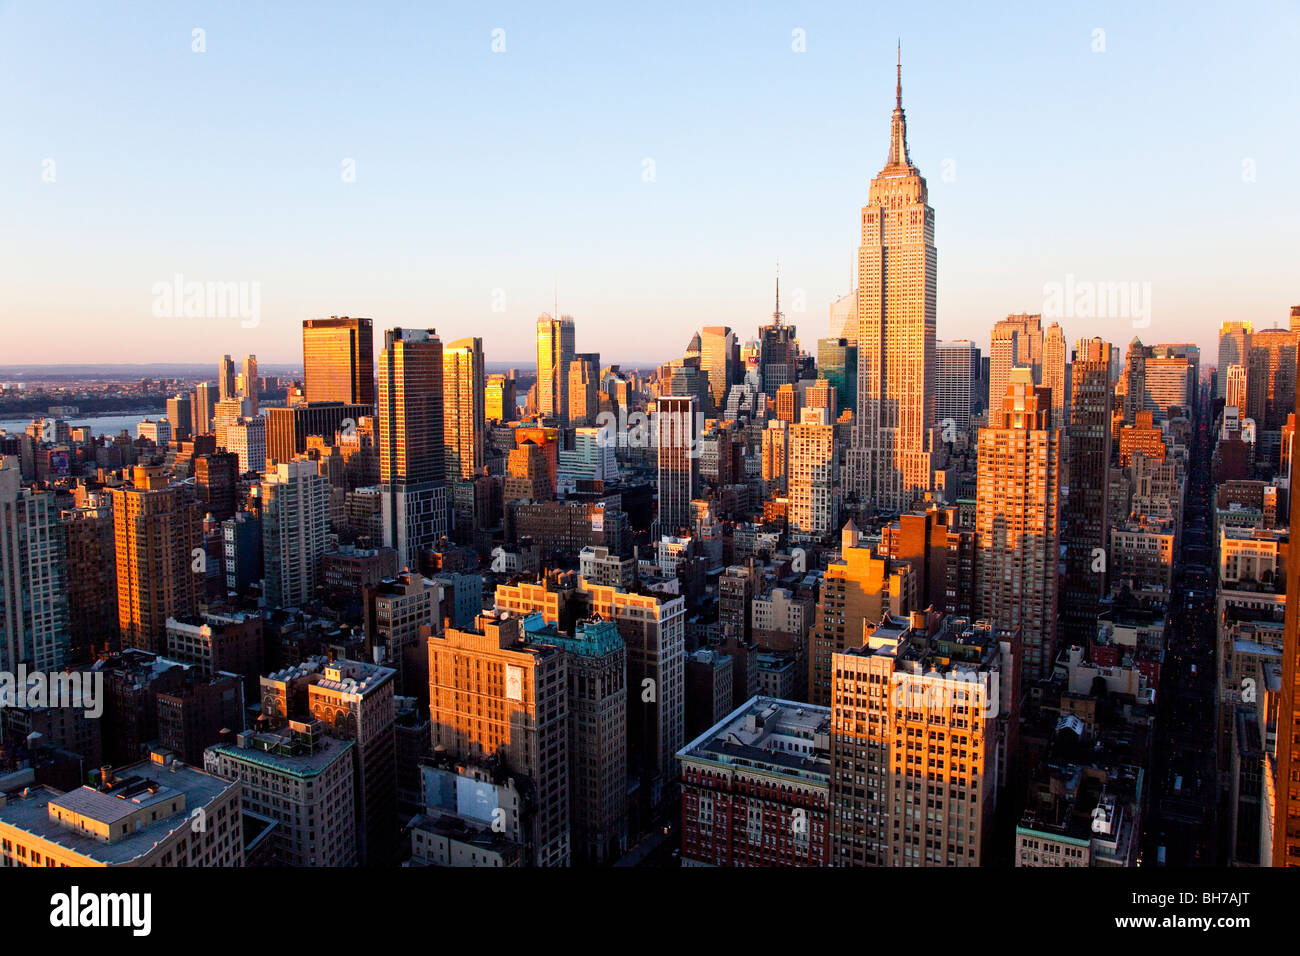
[776, 316]
[898, 90]
[557, 299]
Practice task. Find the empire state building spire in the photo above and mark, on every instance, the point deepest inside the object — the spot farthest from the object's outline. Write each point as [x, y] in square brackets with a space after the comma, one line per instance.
[898, 90]
[890, 458]
[898, 157]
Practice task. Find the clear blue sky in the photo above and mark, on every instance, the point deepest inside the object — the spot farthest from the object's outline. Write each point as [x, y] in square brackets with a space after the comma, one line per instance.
[479, 171]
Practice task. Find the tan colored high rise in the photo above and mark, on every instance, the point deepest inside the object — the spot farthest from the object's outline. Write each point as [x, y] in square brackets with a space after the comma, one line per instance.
[776, 454]
[1017, 520]
[1237, 387]
[250, 384]
[1054, 361]
[787, 404]
[464, 419]
[1016, 340]
[859, 589]
[889, 462]
[491, 694]
[717, 360]
[158, 536]
[1271, 377]
[584, 389]
[501, 405]
[920, 716]
[528, 476]
[1234, 348]
[555, 345]
[814, 477]
[822, 394]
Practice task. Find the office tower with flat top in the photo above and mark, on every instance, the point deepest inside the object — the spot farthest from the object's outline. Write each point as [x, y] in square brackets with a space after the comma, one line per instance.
[1087, 529]
[555, 347]
[1017, 520]
[464, 396]
[338, 360]
[412, 472]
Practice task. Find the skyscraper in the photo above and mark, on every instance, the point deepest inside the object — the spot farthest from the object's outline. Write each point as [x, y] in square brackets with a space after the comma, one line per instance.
[653, 627]
[1132, 387]
[302, 779]
[161, 565]
[288, 429]
[464, 397]
[412, 471]
[956, 372]
[1272, 362]
[295, 522]
[1016, 340]
[677, 444]
[1235, 397]
[338, 360]
[861, 587]
[555, 338]
[216, 483]
[226, 379]
[837, 362]
[597, 675]
[1170, 379]
[814, 477]
[778, 350]
[889, 462]
[246, 439]
[251, 384]
[181, 415]
[717, 351]
[353, 701]
[492, 695]
[1053, 377]
[204, 407]
[584, 387]
[1087, 528]
[1286, 820]
[34, 623]
[1234, 345]
[92, 576]
[228, 411]
[501, 403]
[776, 455]
[920, 715]
[1017, 520]
[844, 318]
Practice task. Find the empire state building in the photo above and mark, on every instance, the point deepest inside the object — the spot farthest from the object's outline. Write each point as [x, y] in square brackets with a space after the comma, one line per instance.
[894, 434]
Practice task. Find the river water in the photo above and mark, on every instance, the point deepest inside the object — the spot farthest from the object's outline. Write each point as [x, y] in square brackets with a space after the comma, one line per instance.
[99, 425]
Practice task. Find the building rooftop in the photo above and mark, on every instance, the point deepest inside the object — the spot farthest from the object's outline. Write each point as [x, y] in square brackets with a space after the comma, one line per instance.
[592, 638]
[286, 751]
[769, 735]
[139, 786]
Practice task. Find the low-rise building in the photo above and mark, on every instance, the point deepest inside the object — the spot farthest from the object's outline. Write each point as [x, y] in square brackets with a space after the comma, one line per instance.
[756, 788]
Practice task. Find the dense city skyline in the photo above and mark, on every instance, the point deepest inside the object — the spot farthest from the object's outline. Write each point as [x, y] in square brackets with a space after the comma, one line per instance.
[822, 587]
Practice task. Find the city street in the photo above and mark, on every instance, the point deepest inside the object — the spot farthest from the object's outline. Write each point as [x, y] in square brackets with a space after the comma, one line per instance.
[1183, 785]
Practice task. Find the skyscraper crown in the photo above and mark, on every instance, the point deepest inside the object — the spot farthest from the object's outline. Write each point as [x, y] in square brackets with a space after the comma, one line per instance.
[898, 157]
